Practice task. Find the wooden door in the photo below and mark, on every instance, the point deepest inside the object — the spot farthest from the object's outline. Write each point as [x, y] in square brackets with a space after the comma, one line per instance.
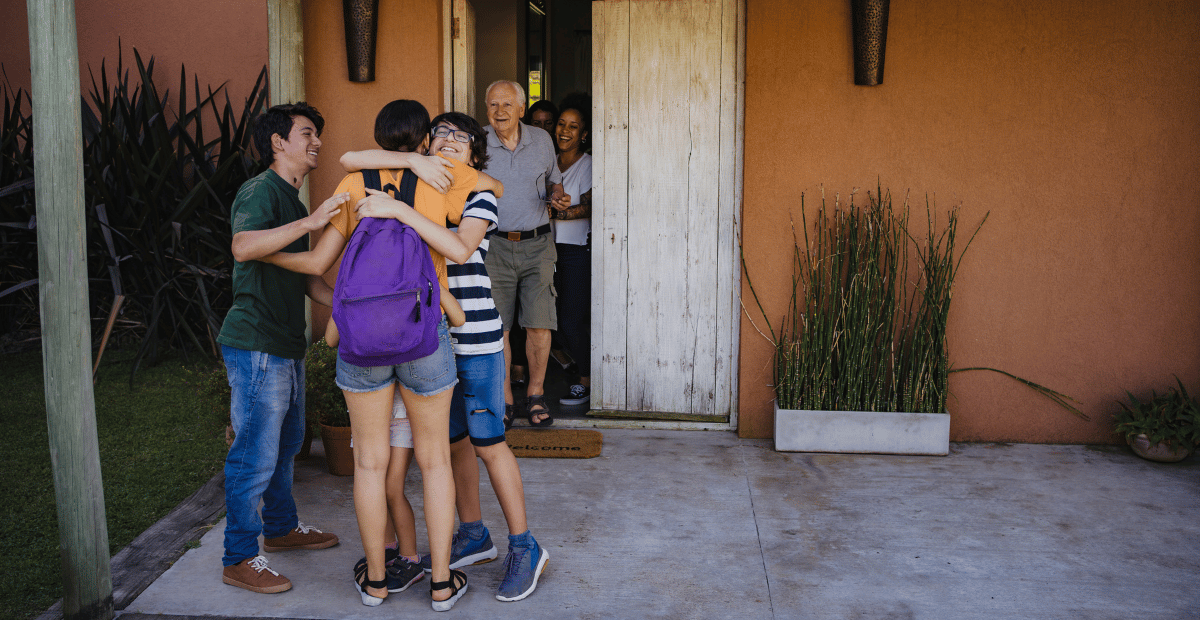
[462, 33]
[666, 161]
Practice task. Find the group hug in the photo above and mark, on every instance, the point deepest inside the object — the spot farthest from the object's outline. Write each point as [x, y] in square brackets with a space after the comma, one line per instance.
[445, 244]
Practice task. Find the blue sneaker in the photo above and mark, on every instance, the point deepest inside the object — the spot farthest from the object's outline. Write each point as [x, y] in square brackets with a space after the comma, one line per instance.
[465, 551]
[522, 568]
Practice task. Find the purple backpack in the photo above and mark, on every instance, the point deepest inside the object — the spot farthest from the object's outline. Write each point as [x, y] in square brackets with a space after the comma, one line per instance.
[387, 300]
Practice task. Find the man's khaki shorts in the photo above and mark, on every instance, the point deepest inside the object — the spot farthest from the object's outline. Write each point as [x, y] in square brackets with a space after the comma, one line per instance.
[525, 270]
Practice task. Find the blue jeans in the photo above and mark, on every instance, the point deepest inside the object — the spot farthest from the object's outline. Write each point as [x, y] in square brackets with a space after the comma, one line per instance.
[478, 405]
[267, 413]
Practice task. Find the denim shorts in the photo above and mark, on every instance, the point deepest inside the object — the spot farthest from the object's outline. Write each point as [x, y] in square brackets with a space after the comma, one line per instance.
[478, 406]
[432, 374]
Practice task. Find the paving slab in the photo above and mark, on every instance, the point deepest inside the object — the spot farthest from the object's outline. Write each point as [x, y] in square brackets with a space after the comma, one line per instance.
[692, 524]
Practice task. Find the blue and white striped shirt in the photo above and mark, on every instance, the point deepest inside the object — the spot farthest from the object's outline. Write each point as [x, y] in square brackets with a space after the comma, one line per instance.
[483, 332]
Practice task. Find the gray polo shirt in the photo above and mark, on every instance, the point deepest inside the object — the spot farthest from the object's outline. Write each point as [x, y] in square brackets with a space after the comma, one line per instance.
[524, 173]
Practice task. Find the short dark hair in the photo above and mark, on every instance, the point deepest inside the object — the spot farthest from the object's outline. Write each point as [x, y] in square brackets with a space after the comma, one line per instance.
[278, 120]
[582, 103]
[541, 105]
[479, 154]
[401, 125]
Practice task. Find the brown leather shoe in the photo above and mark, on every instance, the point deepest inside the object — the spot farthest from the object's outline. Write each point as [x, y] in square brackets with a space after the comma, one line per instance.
[303, 537]
[253, 575]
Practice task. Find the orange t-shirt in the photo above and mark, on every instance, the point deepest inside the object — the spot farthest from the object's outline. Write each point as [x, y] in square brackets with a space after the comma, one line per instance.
[439, 208]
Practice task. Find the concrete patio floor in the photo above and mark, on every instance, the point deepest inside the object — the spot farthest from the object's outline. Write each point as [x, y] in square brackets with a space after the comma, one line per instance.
[691, 524]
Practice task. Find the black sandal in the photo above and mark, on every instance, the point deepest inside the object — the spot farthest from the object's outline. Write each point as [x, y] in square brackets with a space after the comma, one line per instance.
[538, 400]
[361, 583]
[510, 413]
[456, 592]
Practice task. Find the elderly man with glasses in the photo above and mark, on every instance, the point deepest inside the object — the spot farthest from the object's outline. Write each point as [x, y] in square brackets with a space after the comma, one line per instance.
[522, 256]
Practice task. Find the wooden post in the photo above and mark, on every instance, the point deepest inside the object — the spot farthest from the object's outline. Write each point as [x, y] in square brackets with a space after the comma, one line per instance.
[66, 329]
[285, 59]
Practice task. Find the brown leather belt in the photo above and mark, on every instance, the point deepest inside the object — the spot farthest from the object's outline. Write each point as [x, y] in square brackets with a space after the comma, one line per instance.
[521, 235]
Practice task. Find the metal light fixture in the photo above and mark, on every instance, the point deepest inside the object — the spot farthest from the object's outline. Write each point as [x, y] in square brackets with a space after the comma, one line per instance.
[870, 20]
[361, 18]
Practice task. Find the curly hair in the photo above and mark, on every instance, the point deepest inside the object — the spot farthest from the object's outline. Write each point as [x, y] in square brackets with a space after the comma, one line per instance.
[581, 103]
[479, 154]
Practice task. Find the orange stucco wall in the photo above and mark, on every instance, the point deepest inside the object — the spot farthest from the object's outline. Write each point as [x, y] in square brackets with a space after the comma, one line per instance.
[1076, 124]
[216, 40]
[408, 65]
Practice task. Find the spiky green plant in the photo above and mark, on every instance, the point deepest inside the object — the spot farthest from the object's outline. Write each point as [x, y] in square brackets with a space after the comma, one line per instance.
[18, 240]
[161, 170]
[859, 334]
[1173, 418]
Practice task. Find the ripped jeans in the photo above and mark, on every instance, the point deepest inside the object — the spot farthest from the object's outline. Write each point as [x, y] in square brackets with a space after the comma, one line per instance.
[478, 405]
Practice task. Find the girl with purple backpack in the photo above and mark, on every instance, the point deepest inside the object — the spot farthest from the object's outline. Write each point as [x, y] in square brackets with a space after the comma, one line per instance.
[426, 383]
[477, 422]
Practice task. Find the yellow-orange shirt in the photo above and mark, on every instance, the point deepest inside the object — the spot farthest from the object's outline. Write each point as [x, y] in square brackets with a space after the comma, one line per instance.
[439, 208]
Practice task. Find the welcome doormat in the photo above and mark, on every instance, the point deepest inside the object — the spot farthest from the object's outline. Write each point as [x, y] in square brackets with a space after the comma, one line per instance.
[562, 443]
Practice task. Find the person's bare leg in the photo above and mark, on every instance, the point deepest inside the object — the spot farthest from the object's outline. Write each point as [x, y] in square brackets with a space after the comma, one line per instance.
[430, 420]
[404, 522]
[370, 419]
[466, 480]
[505, 475]
[537, 348]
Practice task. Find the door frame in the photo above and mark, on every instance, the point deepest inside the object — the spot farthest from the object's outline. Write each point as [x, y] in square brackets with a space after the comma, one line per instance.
[734, 146]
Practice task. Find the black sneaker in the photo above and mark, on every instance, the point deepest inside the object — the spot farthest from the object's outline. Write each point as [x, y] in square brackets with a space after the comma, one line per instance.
[578, 395]
[401, 574]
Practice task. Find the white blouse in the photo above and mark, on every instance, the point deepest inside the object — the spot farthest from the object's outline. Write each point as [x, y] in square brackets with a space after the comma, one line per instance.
[577, 180]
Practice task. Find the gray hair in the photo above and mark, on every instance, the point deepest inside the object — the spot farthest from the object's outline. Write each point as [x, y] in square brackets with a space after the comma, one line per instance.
[520, 90]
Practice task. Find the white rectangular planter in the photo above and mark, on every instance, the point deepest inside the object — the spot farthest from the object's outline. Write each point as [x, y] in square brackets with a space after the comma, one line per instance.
[865, 432]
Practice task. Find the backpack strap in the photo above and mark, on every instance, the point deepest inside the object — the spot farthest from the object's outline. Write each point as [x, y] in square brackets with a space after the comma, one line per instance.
[408, 188]
[371, 180]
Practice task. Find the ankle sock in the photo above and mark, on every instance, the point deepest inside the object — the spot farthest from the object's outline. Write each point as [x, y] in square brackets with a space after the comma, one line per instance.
[524, 539]
[474, 529]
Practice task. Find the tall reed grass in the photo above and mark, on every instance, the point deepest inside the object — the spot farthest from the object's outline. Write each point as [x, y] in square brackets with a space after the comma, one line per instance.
[865, 325]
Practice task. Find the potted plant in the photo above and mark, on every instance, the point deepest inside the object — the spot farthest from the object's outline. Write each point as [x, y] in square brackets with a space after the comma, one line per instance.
[1164, 428]
[325, 402]
[861, 361]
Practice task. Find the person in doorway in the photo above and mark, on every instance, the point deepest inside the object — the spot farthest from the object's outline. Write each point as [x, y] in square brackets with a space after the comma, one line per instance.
[478, 406]
[572, 237]
[263, 344]
[542, 114]
[521, 259]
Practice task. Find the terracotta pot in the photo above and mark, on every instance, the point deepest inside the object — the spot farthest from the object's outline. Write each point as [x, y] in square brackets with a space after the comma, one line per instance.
[339, 456]
[1160, 451]
[306, 447]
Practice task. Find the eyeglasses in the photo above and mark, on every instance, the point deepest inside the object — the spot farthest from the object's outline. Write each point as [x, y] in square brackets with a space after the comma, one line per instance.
[442, 131]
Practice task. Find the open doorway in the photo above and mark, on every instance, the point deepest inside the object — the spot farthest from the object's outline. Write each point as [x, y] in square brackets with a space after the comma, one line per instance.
[666, 79]
[545, 45]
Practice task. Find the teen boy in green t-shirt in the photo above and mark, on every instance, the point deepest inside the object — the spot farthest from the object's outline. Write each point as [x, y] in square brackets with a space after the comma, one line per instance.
[263, 343]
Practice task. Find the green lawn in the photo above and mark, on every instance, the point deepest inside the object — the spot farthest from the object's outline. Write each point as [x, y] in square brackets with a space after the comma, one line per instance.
[156, 448]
